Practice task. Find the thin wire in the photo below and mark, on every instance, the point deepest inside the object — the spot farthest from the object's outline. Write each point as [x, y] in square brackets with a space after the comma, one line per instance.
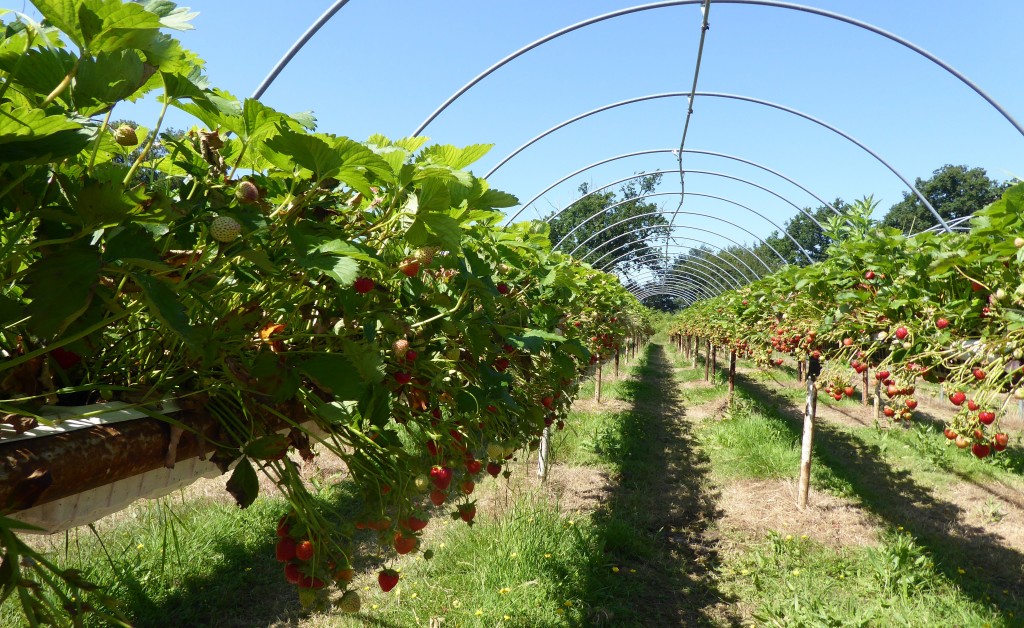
[705, 11]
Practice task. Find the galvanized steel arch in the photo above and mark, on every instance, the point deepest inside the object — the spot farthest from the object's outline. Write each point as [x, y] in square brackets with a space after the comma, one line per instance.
[673, 151]
[646, 257]
[669, 291]
[614, 224]
[720, 198]
[675, 238]
[671, 3]
[718, 272]
[648, 274]
[699, 289]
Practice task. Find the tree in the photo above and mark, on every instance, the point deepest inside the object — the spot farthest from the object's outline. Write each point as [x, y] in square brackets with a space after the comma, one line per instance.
[954, 192]
[589, 235]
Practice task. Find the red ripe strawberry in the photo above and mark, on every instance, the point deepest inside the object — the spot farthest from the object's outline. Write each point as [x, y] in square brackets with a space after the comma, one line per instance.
[911, 403]
[902, 333]
[501, 364]
[292, 573]
[64, 358]
[980, 450]
[363, 285]
[949, 433]
[285, 549]
[987, 417]
[304, 550]
[976, 287]
[282, 527]
[414, 523]
[942, 323]
[869, 275]
[985, 312]
[889, 412]
[494, 469]
[882, 375]
[548, 420]
[979, 374]
[467, 512]
[548, 401]
[411, 355]
[847, 342]
[438, 497]
[432, 448]
[503, 288]
[972, 405]
[387, 579]
[404, 544]
[467, 486]
[492, 408]
[958, 398]
[1000, 441]
[474, 466]
[848, 391]
[560, 425]
[403, 378]
[409, 267]
[441, 476]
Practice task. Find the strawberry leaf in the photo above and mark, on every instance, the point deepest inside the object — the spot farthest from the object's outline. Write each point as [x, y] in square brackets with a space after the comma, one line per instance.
[243, 484]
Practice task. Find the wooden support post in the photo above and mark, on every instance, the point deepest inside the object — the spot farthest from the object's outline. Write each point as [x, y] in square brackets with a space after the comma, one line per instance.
[543, 452]
[696, 350]
[707, 362]
[878, 399]
[799, 371]
[810, 411]
[714, 362]
[865, 383]
[616, 364]
[732, 373]
[597, 382]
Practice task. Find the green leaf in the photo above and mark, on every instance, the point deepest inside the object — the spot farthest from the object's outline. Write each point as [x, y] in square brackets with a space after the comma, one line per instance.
[64, 15]
[258, 120]
[165, 306]
[334, 372]
[10, 310]
[109, 78]
[122, 25]
[457, 158]
[29, 135]
[433, 196]
[533, 339]
[269, 447]
[446, 230]
[492, 199]
[60, 288]
[343, 270]
[243, 484]
[171, 15]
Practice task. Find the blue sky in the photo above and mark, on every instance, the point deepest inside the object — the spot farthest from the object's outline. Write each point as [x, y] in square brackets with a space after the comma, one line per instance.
[382, 67]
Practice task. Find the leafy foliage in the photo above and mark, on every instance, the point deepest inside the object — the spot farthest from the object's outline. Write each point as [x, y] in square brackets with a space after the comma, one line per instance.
[954, 192]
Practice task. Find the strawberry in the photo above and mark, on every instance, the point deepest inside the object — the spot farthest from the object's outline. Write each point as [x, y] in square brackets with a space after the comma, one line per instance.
[911, 403]
[363, 285]
[387, 579]
[978, 373]
[972, 405]
[285, 549]
[942, 323]
[345, 574]
[474, 466]
[848, 391]
[987, 417]
[403, 378]
[304, 550]
[902, 333]
[548, 401]
[425, 255]
[441, 476]
[247, 193]
[411, 355]
[958, 398]
[467, 486]
[438, 497]
[350, 602]
[949, 433]
[410, 267]
[311, 582]
[889, 412]
[432, 448]
[494, 469]
[980, 450]
[1000, 441]
[503, 288]
[869, 275]
[64, 358]
[400, 348]
[467, 512]
[404, 544]
[282, 526]
[225, 229]
[292, 573]
[501, 364]
[125, 135]
[414, 523]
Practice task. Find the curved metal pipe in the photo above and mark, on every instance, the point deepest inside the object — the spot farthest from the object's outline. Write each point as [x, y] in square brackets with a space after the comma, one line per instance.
[699, 290]
[672, 273]
[704, 261]
[718, 272]
[614, 224]
[762, 241]
[709, 279]
[769, 3]
[672, 150]
[707, 172]
[299, 43]
[669, 291]
[675, 285]
[674, 238]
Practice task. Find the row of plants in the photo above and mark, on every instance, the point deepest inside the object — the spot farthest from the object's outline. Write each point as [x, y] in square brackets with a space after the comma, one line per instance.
[301, 289]
[942, 307]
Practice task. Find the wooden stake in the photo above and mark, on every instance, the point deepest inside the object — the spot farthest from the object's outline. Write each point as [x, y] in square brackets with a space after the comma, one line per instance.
[714, 362]
[616, 364]
[707, 363]
[597, 383]
[865, 383]
[810, 411]
[732, 373]
[542, 457]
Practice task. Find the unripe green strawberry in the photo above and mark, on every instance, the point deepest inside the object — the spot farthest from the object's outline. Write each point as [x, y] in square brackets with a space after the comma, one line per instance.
[350, 602]
[247, 193]
[225, 228]
[125, 135]
[425, 255]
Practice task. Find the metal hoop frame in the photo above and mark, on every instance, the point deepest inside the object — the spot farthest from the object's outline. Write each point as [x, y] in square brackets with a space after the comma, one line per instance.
[727, 280]
[674, 238]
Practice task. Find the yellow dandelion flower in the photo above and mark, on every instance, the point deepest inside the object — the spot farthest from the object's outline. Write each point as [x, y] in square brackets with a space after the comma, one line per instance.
[632, 571]
[960, 570]
[547, 555]
[795, 572]
[615, 570]
[513, 554]
[571, 522]
[375, 606]
[560, 611]
[568, 603]
[479, 612]
[456, 604]
[504, 590]
[789, 537]
[141, 546]
[414, 595]
[507, 617]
